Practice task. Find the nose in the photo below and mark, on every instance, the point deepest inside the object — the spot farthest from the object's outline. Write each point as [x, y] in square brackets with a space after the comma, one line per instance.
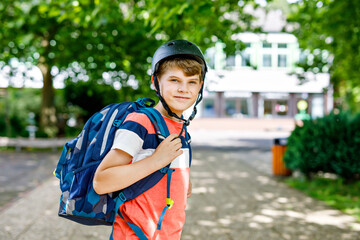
[182, 88]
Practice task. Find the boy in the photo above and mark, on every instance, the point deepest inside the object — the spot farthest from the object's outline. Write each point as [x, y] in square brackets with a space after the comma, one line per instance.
[178, 75]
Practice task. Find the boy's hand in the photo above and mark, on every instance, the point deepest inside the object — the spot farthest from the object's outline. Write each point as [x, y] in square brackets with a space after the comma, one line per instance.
[189, 189]
[167, 151]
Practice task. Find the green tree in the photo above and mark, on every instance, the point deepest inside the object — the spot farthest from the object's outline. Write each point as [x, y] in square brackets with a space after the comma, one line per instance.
[332, 26]
[59, 33]
[93, 37]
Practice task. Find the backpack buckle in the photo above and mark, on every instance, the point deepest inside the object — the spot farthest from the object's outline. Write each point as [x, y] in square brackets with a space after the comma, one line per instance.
[169, 202]
[145, 102]
[164, 170]
[122, 197]
[117, 123]
[160, 136]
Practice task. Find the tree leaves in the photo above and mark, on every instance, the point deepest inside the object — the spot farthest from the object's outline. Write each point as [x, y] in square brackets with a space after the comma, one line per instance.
[333, 26]
[108, 29]
[111, 35]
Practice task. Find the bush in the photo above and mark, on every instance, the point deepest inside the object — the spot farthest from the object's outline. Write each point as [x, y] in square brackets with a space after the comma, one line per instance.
[89, 96]
[329, 144]
[15, 109]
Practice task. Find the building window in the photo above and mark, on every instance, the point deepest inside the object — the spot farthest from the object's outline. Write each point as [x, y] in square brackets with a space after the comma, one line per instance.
[209, 107]
[282, 45]
[245, 60]
[244, 111]
[268, 108]
[247, 45]
[267, 45]
[267, 60]
[282, 60]
[230, 61]
[230, 107]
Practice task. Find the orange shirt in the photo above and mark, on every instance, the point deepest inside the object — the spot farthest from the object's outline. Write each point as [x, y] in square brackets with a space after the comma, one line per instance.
[137, 137]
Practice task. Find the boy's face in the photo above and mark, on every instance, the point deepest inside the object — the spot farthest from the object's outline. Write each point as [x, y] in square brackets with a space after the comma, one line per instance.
[179, 91]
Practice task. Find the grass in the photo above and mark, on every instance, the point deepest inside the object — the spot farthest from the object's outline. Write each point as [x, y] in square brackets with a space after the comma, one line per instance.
[334, 192]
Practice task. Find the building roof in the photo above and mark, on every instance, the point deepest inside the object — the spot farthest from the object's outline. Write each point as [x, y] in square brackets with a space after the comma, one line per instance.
[264, 81]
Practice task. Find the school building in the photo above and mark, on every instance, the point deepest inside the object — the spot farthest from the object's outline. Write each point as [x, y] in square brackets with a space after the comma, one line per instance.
[258, 81]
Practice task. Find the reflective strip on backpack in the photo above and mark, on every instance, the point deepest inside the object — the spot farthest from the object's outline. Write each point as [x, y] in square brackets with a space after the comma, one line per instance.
[107, 131]
[104, 112]
[80, 140]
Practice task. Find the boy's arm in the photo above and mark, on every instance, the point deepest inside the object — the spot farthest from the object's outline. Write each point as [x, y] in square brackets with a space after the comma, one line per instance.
[115, 173]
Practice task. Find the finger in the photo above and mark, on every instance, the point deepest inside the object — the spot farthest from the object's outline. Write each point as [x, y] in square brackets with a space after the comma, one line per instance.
[189, 193]
[178, 146]
[176, 141]
[175, 153]
[179, 152]
[189, 190]
[175, 145]
[176, 138]
[172, 137]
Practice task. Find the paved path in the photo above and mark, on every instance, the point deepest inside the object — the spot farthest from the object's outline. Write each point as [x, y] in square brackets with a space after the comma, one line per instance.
[234, 197]
[21, 172]
[233, 200]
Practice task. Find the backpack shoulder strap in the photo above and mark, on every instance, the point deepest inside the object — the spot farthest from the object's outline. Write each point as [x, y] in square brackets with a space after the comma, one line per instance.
[148, 182]
[145, 105]
[158, 122]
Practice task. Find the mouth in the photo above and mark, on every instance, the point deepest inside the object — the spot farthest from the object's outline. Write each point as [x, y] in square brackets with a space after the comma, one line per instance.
[182, 98]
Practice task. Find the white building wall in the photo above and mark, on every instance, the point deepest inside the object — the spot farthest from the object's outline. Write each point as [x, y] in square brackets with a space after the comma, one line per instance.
[274, 80]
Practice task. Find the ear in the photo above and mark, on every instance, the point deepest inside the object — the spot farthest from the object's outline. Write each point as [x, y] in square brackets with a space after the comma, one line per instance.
[153, 82]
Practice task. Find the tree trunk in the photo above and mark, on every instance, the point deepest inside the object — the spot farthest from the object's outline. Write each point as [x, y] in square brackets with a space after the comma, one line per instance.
[48, 121]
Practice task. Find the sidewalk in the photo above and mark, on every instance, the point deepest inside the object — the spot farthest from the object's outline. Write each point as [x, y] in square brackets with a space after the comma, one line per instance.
[234, 197]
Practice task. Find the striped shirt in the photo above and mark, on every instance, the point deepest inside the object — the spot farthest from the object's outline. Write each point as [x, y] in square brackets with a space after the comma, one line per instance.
[137, 137]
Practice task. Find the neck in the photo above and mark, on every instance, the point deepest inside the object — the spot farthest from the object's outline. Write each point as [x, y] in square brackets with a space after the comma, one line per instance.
[163, 112]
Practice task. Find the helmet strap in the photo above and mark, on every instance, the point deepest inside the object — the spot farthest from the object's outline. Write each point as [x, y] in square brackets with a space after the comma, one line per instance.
[167, 108]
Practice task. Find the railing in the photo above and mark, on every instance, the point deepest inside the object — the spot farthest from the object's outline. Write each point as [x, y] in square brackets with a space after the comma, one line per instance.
[42, 143]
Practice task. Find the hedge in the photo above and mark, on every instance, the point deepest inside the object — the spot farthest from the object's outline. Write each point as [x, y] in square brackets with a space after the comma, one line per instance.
[329, 144]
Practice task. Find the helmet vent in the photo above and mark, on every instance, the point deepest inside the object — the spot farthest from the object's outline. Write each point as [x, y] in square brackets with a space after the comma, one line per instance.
[189, 43]
[170, 44]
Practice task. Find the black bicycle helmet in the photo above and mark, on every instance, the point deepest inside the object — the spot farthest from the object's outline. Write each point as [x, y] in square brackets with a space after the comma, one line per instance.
[178, 48]
[173, 49]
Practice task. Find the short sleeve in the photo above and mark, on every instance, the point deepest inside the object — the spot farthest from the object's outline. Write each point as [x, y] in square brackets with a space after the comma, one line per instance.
[130, 137]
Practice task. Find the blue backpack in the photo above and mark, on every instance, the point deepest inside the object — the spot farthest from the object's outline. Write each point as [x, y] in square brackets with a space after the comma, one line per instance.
[81, 157]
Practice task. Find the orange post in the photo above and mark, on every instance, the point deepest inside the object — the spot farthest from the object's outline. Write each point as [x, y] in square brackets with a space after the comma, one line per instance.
[278, 151]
